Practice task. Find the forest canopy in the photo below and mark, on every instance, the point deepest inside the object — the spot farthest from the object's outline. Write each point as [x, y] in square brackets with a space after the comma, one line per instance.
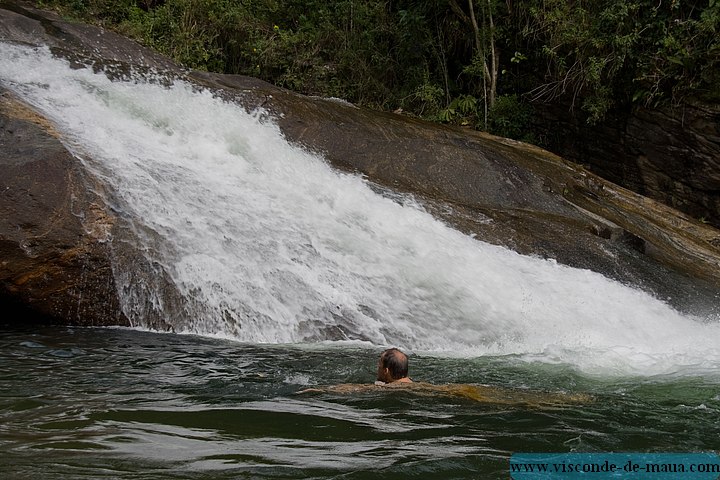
[476, 63]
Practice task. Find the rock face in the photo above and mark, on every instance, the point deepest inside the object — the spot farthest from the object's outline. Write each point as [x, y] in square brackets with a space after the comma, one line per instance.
[59, 240]
[53, 231]
[669, 155]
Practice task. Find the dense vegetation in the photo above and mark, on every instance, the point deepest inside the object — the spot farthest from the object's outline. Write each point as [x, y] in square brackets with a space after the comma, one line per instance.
[480, 63]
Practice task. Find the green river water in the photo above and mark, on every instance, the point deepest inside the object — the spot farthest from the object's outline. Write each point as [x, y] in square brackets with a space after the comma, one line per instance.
[126, 404]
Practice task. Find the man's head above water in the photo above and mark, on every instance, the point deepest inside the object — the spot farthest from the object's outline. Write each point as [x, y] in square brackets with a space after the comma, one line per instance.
[393, 367]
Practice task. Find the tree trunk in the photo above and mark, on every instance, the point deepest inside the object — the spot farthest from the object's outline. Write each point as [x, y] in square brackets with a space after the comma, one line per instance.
[489, 71]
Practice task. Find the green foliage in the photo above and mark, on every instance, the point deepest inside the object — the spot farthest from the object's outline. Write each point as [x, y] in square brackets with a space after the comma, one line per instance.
[463, 111]
[426, 99]
[510, 117]
[475, 68]
[613, 52]
[108, 12]
[426, 56]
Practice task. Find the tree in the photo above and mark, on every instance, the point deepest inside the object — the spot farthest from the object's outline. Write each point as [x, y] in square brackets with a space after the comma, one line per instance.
[486, 56]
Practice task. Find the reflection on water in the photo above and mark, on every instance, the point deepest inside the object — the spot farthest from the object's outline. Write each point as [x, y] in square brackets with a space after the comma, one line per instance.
[129, 404]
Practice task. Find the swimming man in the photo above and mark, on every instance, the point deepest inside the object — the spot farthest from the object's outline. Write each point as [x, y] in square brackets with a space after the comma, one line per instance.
[392, 367]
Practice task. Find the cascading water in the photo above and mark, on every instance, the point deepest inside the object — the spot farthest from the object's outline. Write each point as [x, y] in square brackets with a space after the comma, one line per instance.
[265, 242]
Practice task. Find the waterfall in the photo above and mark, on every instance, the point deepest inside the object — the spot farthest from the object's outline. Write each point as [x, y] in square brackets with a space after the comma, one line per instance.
[265, 242]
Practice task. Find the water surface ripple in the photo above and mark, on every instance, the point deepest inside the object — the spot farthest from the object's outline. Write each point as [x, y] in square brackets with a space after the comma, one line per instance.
[115, 403]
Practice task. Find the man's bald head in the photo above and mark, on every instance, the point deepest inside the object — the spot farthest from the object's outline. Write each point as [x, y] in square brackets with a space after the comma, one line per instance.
[392, 366]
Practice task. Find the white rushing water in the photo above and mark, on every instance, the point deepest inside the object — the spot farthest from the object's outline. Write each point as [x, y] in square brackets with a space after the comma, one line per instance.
[267, 243]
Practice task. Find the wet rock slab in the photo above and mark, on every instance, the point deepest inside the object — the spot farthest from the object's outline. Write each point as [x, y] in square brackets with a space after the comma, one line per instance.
[54, 231]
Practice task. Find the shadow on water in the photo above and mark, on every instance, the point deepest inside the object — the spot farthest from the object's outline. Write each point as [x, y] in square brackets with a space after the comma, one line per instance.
[121, 403]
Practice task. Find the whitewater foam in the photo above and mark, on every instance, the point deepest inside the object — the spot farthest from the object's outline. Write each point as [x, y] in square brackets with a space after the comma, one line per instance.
[269, 244]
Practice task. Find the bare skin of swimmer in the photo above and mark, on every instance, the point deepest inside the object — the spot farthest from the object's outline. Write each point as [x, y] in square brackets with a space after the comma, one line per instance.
[392, 372]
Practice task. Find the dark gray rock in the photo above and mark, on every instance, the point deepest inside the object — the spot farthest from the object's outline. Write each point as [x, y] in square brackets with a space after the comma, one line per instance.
[54, 230]
[671, 154]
